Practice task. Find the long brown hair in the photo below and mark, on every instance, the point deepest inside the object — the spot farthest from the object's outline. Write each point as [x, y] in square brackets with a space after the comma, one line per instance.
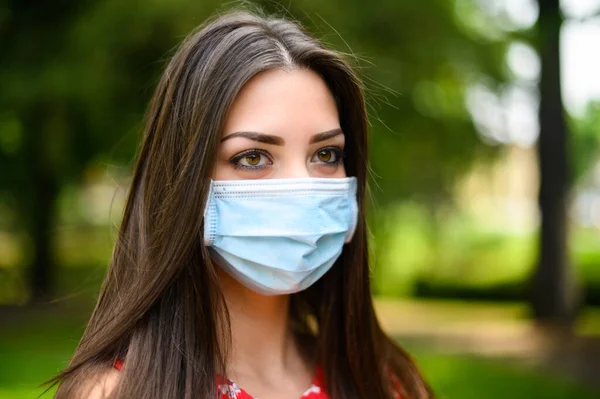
[161, 305]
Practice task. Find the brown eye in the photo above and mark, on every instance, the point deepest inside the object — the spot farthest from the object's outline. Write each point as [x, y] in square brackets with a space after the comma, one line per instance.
[331, 156]
[325, 156]
[252, 159]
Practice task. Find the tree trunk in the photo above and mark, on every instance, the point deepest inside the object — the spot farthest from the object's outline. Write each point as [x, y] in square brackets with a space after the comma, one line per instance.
[38, 203]
[555, 295]
[42, 268]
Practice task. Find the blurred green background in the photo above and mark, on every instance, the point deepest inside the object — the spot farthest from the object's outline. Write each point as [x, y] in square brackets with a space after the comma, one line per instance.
[492, 283]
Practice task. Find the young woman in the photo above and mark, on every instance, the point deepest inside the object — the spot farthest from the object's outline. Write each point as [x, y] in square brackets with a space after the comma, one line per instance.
[241, 266]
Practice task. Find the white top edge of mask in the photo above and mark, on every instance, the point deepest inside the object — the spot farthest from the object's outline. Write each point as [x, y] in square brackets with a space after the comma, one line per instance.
[266, 185]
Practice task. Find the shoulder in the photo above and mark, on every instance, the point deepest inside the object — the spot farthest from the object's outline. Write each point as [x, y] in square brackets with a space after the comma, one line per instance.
[394, 383]
[98, 386]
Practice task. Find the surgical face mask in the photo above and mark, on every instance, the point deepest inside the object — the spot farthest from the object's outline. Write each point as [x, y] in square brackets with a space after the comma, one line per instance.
[279, 236]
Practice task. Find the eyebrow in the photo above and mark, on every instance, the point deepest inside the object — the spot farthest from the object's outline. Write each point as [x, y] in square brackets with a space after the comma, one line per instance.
[260, 137]
[325, 135]
[276, 140]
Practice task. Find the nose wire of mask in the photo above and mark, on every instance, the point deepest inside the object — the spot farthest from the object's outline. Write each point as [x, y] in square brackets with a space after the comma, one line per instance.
[279, 236]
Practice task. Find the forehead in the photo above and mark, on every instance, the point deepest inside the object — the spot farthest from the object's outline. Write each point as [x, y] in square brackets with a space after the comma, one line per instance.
[283, 102]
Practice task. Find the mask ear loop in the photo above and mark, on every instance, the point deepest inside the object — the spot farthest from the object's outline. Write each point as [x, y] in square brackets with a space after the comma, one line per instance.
[354, 210]
[210, 219]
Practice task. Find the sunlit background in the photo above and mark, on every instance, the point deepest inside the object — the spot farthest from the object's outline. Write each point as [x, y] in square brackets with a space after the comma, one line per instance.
[453, 91]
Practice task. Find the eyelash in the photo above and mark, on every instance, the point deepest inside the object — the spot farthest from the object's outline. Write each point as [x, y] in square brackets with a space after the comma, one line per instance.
[339, 155]
[235, 160]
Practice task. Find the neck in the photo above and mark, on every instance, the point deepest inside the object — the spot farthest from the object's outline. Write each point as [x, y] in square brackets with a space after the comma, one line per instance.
[262, 343]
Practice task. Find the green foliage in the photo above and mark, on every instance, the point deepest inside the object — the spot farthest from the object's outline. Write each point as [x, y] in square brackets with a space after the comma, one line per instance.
[450, 254]
[88, 70]
[585, 140]
[416, 63]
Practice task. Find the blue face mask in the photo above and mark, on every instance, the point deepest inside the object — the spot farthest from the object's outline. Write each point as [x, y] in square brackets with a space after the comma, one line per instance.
[279, 236]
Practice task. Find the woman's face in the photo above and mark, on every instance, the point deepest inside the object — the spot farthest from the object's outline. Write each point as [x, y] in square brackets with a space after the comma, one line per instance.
[282, 124]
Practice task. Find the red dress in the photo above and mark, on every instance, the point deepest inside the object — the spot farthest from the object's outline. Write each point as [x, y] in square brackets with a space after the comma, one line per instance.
[229, 389]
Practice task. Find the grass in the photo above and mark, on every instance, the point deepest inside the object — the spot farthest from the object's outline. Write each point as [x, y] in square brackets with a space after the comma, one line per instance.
[33, 350]
[35, 347]
[456, 377]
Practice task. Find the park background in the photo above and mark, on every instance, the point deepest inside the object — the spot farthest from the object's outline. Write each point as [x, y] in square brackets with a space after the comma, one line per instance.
[485, 130]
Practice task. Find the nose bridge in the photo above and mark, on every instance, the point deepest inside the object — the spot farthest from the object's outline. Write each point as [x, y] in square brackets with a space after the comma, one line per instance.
[295, 165]
[296, 168]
